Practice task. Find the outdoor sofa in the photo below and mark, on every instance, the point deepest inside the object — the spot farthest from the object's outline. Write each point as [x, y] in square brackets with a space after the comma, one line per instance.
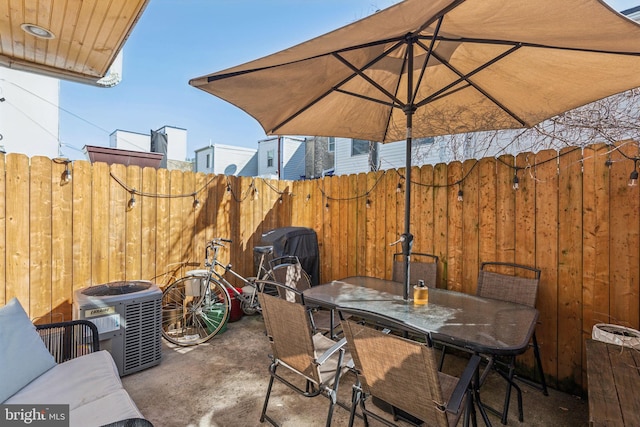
[60, 364]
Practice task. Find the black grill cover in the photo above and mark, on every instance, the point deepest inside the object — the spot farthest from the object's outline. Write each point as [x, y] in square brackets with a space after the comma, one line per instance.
[299, 241]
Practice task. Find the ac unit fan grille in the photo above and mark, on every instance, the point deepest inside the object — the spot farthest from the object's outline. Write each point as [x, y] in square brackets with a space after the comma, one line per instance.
[142, 341]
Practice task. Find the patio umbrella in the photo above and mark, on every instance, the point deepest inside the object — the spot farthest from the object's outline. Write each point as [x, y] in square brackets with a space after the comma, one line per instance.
[425, 68]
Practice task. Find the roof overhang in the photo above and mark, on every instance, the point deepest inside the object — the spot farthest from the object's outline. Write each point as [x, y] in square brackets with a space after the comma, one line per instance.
[73, 39]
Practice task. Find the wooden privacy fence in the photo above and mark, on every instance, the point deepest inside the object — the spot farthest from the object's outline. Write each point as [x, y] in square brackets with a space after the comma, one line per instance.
[573, 216]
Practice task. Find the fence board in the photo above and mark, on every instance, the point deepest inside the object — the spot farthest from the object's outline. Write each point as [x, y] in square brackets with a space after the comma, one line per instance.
[547, 258]
[570, 265]
[176, 223]
[61, 244]
[118, 206]
[454, 228]
[133, 226]
[3, 230]
[505, 213]
[624, 240]
[388, 226]
[82, 224]
[595, 245]
[470, 232]
[487, 206]
[356, 207]
[148, 226]
[373, 181]
[440, 220]
[165, 272]
[17, 229]
[41, 220]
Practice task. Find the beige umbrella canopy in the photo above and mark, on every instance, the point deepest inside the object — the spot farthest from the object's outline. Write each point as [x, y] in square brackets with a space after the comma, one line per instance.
[436, 67]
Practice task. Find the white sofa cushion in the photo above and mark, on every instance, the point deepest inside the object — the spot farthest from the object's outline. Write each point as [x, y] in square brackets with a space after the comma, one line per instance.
[107, 409]
[75, 382]
[23, 355]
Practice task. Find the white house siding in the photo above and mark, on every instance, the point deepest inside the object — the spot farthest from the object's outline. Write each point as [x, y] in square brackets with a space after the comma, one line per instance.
[288, 158]
[29, 114]
[126, 140]
[293, 159]
[346, 163]
[227, 160]
[391, 155]
[177, 142]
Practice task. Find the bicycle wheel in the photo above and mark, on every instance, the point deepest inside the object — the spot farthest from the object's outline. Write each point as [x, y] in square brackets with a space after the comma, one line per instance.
[194, 310]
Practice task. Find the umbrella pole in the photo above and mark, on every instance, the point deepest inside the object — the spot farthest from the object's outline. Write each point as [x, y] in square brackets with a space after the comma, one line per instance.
[408, 111]
[407, 241]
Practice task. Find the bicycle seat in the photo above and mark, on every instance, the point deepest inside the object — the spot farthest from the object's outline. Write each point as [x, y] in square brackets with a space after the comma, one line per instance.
[263, 249]
[197, 273]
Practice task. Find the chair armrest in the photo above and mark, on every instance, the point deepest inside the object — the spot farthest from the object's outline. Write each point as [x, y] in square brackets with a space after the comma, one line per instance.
[455, 401]
[67, 340]
[330, 351]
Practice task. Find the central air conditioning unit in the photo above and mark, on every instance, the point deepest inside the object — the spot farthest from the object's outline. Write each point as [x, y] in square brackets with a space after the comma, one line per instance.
[128, 316]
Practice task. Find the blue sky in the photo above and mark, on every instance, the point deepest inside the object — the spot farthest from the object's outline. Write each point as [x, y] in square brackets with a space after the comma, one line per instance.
[176, 40]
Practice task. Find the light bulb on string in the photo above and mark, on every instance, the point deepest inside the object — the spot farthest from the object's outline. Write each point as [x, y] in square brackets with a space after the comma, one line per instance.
[516, 180]
[196, 202]
[633, 178]
[132, 201]
[368, 204]
[460, 195]
[399, 188]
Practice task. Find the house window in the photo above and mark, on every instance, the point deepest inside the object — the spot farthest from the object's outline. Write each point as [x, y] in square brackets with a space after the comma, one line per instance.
[332, 145]
[359, 146]
[270, 158]
[208, 161]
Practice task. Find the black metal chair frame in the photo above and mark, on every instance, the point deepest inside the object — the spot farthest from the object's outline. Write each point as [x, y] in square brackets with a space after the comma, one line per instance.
[505, 367]
[70, 339]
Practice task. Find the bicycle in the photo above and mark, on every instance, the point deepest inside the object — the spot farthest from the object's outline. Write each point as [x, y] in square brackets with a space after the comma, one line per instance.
[197, 306]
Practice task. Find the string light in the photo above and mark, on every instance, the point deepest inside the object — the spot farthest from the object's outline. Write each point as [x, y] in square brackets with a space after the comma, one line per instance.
[256, 193]
[633, 178]
[228, 188]
[326, 206]
[308, 197]
[399, 188]
[196, 202]
[280, 200]
[516, 180]
[132, 201]
[66, 175]
[460, 194]
[368, 204]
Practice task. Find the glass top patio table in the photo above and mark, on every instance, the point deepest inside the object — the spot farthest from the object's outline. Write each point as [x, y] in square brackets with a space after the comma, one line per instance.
[478, 324]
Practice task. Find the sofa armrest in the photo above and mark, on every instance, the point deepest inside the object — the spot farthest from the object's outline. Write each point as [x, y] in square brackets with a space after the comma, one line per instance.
[67, 340]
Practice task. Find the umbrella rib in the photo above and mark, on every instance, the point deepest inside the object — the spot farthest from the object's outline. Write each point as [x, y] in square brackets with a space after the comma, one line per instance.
[336, 88]
[466, 78]
[527, 44]
[372, 82]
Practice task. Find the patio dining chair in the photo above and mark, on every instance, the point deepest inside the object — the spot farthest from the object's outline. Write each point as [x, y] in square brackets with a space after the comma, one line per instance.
[519, 284]
[422, 267]
[288, 271]
[316, 362]
[404, 374]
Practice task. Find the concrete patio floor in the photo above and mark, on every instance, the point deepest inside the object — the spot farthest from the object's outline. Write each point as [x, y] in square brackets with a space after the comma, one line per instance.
[222, 383]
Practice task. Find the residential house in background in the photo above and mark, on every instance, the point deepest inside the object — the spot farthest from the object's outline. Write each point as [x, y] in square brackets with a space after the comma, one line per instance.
[168, 140]
[29, 113]
[227, 160]
[319, 156]
[281, 157]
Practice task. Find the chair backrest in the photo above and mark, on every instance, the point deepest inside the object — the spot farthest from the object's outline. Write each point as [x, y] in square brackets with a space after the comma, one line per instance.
[289, 330]
[423, 267]
[288, 271]
[402, 372]
[509, 282]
